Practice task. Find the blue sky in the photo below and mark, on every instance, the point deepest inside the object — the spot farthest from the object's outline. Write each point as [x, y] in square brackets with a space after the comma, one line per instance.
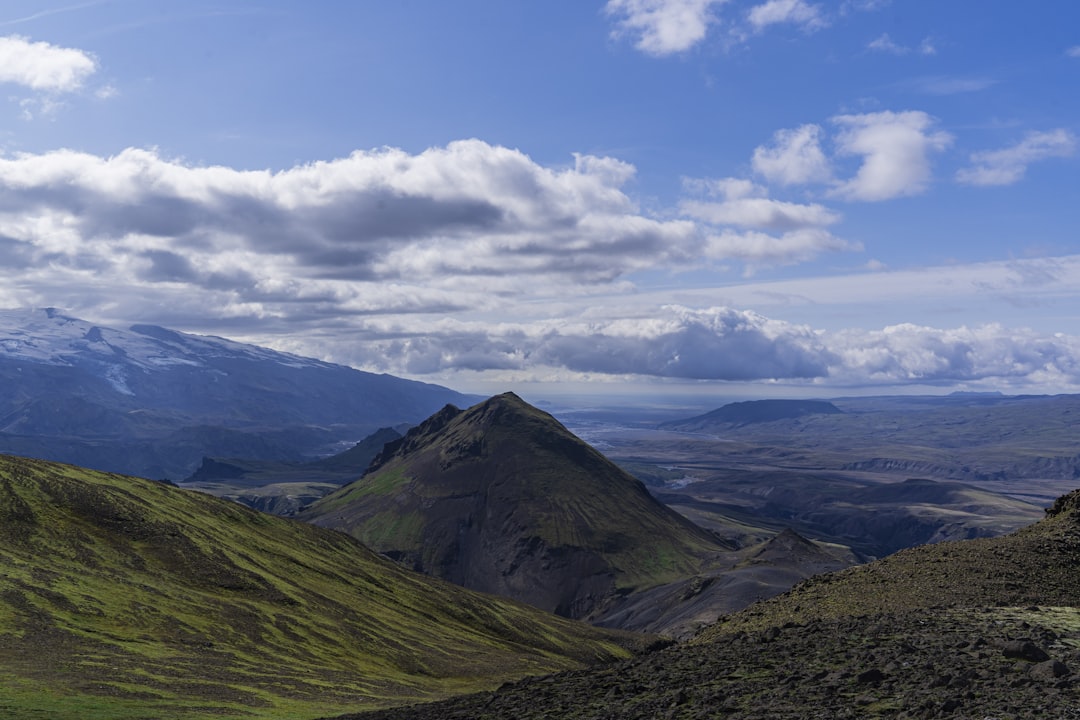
[731, 197]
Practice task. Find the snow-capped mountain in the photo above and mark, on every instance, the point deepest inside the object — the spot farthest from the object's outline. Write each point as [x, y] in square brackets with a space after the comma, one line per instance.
[153, 401]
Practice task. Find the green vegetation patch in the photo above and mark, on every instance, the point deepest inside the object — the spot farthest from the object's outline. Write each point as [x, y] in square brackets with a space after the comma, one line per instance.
[122, 597]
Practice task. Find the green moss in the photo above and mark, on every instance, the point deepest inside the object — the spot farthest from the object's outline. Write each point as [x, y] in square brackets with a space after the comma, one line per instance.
[377, 484]
[127, 598]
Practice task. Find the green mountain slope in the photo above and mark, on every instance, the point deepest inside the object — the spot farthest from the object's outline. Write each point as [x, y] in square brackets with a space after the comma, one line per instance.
[124, 598]
[502, 498]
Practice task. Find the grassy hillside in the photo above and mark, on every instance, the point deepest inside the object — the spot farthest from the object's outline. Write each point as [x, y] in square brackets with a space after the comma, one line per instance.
[124, 598]
[502, 498]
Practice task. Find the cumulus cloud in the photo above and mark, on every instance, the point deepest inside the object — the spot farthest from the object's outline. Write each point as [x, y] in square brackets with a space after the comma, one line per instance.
[895, 148]
[905, 353]
[663, 27]
[708, 344]
[462, 226]
[670, 342]
[798, 12]
[43, 67]
[469, 209]
[795, 157]
[1008, 166]
[758, 230]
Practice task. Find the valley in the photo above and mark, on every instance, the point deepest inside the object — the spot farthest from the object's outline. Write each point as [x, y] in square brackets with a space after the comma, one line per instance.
[732, 563]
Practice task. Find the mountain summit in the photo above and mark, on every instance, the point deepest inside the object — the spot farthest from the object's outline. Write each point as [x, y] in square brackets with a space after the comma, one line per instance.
[151, 401]
[502, 498]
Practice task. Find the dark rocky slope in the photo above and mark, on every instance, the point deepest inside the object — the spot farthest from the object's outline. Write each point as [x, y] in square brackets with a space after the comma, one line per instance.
[986, 628]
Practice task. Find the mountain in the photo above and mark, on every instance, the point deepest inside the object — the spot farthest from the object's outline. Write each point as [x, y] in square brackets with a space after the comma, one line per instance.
[283, 488]
[986, 628]
[128, 598]
[152, 402]
[502, 498]
[751, 412]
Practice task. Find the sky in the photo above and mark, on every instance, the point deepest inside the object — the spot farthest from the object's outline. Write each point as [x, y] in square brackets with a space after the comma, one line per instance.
[613, 197]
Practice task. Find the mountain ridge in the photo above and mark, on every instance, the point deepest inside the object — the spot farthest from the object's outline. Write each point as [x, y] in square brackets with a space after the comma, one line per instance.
[151, 401]
[502, 498]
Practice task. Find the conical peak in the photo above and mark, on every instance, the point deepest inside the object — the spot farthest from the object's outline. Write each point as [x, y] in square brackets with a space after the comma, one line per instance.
[506, 402]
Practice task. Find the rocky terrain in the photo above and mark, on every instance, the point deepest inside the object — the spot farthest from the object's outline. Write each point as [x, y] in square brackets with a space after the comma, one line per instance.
[986, 628]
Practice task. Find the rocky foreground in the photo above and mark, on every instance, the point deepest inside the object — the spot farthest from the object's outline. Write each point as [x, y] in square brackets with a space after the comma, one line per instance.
[992, 663]
[979, 630]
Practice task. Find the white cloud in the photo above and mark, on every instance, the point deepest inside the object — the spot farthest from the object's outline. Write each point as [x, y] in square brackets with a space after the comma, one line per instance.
[669, 342]
[744, 211]
[1008, 166]
[797, 12]
[884, 43]
[721, 344]
[757, 212]
[458, 228]
[664, 27]
[1074, 51]
[455, 215]
[43, 67]
[759, 249]
[795, 157]
[895, 150]
[905, 353]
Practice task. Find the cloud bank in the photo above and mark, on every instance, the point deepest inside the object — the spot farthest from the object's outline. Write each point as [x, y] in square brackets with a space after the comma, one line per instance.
[724, 344]
[413, 263]
[449, 228]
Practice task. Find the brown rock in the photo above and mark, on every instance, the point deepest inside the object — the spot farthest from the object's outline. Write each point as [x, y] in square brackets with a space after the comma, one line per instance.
[1049, 670]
